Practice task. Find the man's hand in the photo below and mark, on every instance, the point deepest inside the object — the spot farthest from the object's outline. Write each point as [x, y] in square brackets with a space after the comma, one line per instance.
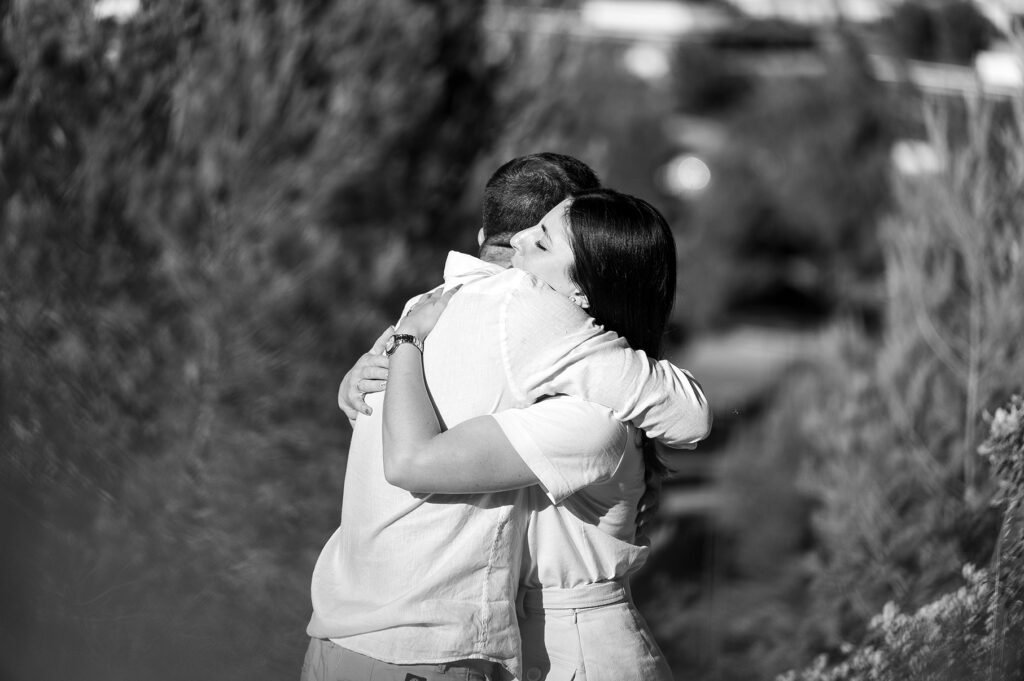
[368, 375]
[647, 507]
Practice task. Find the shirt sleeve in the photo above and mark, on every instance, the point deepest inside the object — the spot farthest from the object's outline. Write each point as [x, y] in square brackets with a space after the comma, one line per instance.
[567, 443]
[551, 346]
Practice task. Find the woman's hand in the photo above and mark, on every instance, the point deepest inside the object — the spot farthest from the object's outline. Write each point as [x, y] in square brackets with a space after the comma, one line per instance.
[368, 375]
[424, 314]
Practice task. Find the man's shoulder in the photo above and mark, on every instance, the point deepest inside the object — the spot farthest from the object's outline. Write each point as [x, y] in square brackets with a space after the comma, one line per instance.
[520, 284]
[531, 298]
[502, 280]
[525, 287]
[525, 304]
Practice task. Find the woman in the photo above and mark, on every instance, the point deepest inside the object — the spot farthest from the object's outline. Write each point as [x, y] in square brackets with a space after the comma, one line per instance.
[613, 255]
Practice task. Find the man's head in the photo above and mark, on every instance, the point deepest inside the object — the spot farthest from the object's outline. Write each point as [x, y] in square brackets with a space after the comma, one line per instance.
[523, 190]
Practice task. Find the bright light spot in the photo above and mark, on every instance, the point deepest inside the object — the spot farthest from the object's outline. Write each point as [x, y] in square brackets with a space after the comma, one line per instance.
[864, 10]
[686, 175]
[815, 11]
[118, 10]
[638, 17]
[915, 157]
[647, 61]
[999, 69]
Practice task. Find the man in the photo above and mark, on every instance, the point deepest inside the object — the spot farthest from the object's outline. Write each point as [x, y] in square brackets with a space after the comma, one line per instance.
[419, 587]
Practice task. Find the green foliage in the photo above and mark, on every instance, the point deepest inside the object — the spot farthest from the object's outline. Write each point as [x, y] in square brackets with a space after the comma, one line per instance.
[973, 632]
[880, 439]
[951, 31]
[748, 618]
[207, 212]
[904, 504]
[1004, 450]
[577, 96]
[789, 222]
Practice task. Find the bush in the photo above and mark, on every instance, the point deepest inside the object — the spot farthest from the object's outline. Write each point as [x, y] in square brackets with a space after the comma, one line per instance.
[952, 31]
[973, 632]
[881, 434]
[207, 213]
[788, 225]
[904, 503]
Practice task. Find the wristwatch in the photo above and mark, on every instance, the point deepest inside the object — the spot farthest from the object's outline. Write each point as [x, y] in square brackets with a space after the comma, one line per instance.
[398, 339]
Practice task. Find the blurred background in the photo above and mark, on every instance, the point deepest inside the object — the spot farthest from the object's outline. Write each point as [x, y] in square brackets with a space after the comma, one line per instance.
[210, 208]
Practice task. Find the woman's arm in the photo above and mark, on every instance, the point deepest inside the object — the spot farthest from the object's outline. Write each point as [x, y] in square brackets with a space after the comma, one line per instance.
[562, 444]
[473, 457]
[552, 347]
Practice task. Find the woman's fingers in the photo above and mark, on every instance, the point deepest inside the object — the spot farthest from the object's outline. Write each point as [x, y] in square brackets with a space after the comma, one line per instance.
[438, 299]
[424, 314]
[426, 300]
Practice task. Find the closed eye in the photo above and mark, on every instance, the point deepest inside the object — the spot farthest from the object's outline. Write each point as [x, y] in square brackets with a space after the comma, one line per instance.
[540, 246]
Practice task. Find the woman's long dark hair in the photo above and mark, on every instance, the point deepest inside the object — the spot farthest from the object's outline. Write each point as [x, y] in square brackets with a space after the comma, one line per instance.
[625, 263]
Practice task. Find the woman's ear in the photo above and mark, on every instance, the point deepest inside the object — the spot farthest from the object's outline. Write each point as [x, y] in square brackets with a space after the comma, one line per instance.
[480, 237]
[579, 299]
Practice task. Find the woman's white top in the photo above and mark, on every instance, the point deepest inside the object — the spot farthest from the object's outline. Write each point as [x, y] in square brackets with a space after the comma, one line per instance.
[587, 538]
[582, 516]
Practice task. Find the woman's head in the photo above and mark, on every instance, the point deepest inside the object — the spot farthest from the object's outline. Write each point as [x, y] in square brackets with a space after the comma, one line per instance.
[613, 252]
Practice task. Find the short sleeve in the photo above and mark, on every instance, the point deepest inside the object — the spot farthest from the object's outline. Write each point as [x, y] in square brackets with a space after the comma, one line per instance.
[550, 346]
[567, 443]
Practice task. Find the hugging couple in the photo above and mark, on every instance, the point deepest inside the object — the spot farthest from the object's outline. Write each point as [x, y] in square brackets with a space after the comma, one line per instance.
[488, 523]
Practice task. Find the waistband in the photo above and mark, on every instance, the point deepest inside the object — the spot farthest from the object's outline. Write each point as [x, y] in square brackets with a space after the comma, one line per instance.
[358, 665]
[575, 598]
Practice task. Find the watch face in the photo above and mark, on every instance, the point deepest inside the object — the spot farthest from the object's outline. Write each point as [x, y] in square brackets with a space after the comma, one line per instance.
[398, 339]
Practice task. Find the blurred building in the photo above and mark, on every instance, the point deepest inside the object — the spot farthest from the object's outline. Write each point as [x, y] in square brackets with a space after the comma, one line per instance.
[815, 11]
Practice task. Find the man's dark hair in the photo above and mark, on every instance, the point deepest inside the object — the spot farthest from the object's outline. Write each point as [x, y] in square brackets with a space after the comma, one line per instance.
[520, 192]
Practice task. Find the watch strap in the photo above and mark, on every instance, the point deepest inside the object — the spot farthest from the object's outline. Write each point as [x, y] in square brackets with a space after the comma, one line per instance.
[399, 339]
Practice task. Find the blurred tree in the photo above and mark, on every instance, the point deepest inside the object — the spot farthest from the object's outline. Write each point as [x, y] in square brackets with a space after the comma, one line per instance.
[874, 447]
[973, 632]
[707, 81]
[207, 212]
[799, 183]
[952, 31]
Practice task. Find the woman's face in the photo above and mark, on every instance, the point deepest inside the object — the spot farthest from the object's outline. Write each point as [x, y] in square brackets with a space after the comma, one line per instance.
[544, 251]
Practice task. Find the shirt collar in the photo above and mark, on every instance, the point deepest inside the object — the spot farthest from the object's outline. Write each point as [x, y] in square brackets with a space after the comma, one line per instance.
[463, 267]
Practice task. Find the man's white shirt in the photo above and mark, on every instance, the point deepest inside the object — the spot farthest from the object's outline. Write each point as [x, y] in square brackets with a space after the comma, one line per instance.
[417, 579]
